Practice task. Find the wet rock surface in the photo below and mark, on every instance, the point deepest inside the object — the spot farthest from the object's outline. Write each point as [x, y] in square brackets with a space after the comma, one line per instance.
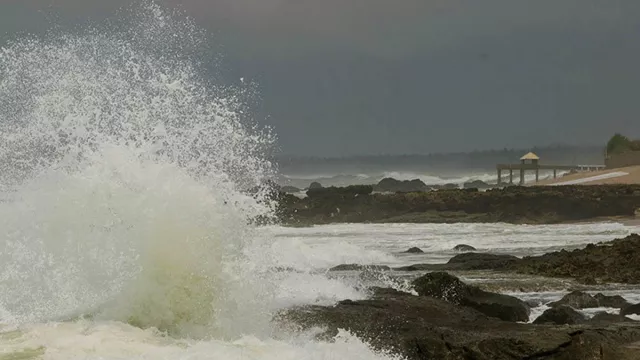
[560, 315]
[464, 248]
[358, 267]
[414, 250]
[516, 204]
[582, 300]
[617, 261]
[467, 261]
[444, 286]
[426, 328]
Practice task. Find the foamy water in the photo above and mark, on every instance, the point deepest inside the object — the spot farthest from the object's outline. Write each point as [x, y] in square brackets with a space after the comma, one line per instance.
[429, 178]
[126, 222]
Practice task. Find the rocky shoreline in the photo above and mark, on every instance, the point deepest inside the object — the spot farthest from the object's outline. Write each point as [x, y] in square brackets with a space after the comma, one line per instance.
[519, 205]
[446, 318]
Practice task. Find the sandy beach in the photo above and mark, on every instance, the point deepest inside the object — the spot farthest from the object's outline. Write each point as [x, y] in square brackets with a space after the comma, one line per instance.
[626, 175]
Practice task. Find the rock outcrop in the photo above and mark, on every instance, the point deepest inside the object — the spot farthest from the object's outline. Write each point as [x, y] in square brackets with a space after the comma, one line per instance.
[542, 204]
[468, 261]
[414, 250]
[614, 261]
[582, 300]
[443, 286]
[560, 315]
[464, 248]
[393, 185]
[426, 328]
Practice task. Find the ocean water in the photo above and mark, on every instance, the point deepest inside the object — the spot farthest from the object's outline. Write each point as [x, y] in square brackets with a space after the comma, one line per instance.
[433, 177]
[316, 249]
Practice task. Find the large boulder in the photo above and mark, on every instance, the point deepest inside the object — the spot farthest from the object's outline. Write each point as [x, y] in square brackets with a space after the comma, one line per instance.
[614, 301]
[607, 318]
[464, 248]
[478, 261]
[315, 185]
[414, 250]
[441, 285]
[576, 300]
[476, 184]
[631, 310]
[393, 185]
[560, 315]
[425, 328]
[467, 261]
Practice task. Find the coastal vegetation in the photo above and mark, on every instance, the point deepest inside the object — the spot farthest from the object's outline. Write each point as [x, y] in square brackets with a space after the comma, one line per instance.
[620, 144]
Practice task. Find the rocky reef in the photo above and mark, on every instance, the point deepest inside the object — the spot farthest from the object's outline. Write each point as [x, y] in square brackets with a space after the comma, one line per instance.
[532, 205]
[450, 320]
[616, 261]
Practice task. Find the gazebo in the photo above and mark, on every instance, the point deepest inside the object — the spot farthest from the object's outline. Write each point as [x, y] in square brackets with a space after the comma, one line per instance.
[531, 158]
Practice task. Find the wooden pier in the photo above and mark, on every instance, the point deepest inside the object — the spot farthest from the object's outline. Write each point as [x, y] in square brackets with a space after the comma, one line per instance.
[530, 162]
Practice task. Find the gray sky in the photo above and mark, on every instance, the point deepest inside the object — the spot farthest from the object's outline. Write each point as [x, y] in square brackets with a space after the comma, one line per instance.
[343, 77]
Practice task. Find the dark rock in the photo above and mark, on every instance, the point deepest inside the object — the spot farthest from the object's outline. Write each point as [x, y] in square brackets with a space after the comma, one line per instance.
[425, 328]
[338, 194]
[615, 261]
[441, 285]
[615, 301]
[415, 250]
[463, 247]
[561, 315]
[576, 300]
[467, 261]
[448, 186]
[631, 310]
[358, 267]
[606, 318]
[515, 204]
[315, 185]
[476, 184]
[393, 185]
[476, 261]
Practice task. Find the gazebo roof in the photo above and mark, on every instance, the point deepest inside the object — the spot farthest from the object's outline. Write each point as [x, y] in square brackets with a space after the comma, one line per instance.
[530, 156]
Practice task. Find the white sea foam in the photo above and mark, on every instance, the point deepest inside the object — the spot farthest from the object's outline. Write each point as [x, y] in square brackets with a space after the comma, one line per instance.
[125, 175]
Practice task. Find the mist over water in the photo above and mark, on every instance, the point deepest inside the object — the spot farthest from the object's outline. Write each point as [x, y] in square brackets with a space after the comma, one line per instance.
[123, 172]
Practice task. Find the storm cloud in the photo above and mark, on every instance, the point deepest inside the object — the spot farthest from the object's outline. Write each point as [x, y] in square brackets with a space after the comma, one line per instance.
[343, 77]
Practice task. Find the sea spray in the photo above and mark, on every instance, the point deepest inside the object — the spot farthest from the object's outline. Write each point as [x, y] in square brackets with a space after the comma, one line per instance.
[124, 174]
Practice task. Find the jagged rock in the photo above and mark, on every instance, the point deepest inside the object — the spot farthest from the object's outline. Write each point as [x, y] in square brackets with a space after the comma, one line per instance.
[606, 318]
[425, 328]
[467, 261]
[631, 310]
[516, 204]
[393, 185]
[614, 301]
[576, 300]
[315, 185]
[358, 267]
[561, 315]
[441, 285]
[476, 184]
[615, 261]
[415, 250]
[464, 247]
